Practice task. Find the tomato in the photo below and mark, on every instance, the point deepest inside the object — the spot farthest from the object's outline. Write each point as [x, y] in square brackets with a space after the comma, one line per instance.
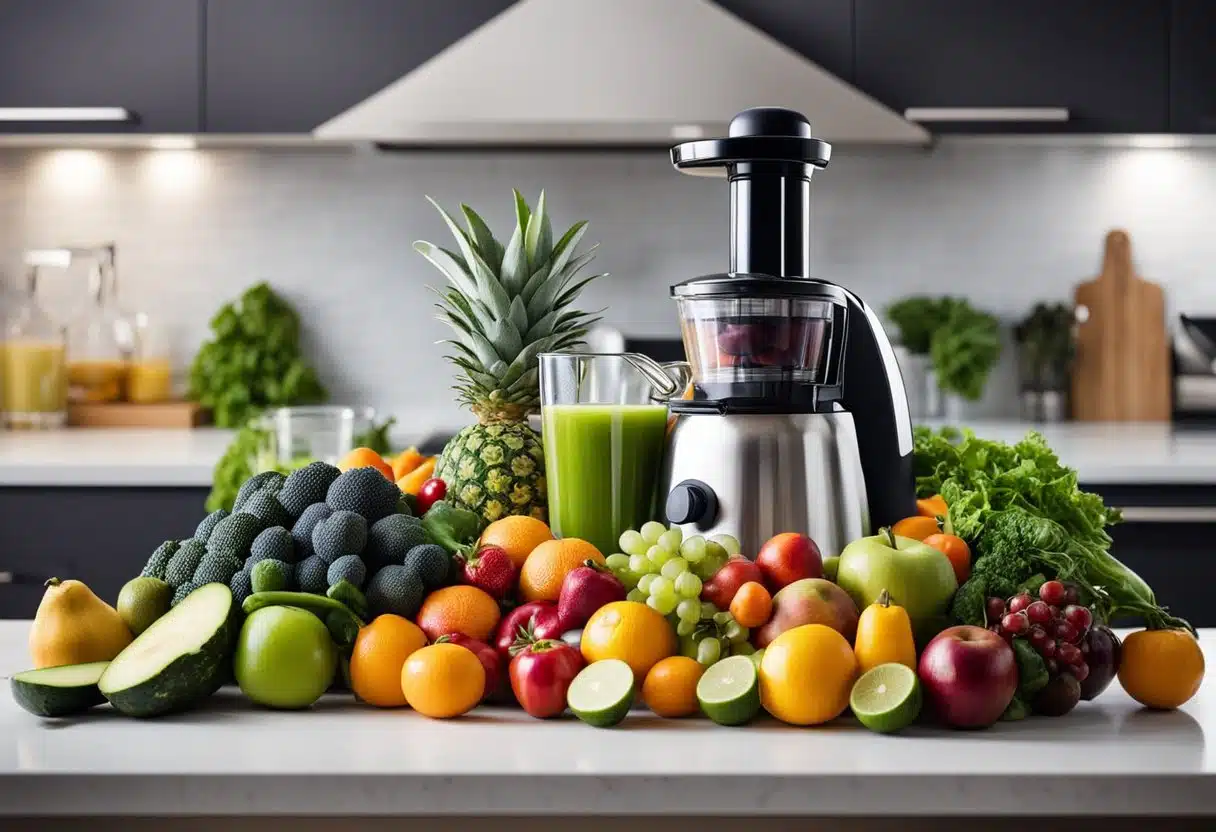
[956, 549]
[432, 491]
[541, 674]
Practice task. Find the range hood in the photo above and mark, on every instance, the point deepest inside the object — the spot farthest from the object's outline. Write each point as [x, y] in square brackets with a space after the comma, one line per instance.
[610, 72]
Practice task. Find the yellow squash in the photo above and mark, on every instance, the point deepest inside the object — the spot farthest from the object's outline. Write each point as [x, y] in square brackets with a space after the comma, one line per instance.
[74, 626]
[884, 635]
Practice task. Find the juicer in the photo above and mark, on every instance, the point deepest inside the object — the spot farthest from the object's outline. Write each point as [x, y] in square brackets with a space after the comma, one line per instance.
[797, 419]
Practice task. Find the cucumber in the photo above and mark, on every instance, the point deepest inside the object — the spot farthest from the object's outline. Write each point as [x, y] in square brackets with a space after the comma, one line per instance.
[179, 661]
[59, 691]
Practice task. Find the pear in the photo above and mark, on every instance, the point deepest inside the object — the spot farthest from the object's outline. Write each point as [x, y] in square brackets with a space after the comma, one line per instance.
[74, 626]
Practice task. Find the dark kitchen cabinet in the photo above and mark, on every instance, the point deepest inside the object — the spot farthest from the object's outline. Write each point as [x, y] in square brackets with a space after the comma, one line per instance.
[1167, 539]
[821, 30]
[287, 66]
[1106, 63]
[102, 536]
[141, 55]
[1193, 67]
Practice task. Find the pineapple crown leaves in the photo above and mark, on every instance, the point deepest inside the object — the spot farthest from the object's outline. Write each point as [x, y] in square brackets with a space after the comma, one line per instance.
[508, 304]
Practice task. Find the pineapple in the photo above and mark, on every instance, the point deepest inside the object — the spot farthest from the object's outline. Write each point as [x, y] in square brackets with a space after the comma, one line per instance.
[505, 305]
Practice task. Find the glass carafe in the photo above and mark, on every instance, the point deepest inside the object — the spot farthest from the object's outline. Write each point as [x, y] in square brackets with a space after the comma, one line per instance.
[150, 376]
[604, 420]
[98, 362]
[33, 371]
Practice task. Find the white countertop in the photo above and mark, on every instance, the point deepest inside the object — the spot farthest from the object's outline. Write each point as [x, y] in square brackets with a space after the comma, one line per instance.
[1102, 453]
[1108, 757]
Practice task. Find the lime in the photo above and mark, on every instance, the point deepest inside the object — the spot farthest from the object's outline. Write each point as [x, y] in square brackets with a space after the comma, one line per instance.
[729, 691]
[601, 693]
[886, 698]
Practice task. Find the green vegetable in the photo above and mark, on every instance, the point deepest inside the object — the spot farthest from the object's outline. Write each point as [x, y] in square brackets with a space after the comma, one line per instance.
[376, 437]
[964, 342]
[59, 691]
[1017, 710]
[395, 589]
[1032, 670]
[180, 660]
[342, 622]
[455, 529]
[270, 576]
[253, 361]
[1024, 516]
[351, 596]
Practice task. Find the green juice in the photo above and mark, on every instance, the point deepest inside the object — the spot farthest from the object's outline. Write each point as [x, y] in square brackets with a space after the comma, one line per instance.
[602, 467]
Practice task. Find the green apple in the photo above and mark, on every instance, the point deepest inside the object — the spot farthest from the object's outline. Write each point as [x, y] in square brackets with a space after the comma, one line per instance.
[919, 578]
[284, 657]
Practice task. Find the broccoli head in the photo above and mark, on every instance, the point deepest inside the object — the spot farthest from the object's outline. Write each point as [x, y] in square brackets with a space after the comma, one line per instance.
[311, 575]
[395, 589]
[266, 507]
[216, 568]
[274, 543]
[155, 567]
[366, 492]
[301, 532]
[306, 486]
[348, 568]
[181, 567]
[241, 586]
[203, 532]
[430, 563]
[342, 533]
[268, 481]
[235, 534]
[390, 538]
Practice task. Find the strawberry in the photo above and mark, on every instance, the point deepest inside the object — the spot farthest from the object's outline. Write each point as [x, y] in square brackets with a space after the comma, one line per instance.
[490, 569]
[586, 589]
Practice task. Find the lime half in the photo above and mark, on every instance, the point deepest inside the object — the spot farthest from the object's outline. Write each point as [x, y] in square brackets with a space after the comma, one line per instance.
[729, 691]
[601, 693]
[886, 698]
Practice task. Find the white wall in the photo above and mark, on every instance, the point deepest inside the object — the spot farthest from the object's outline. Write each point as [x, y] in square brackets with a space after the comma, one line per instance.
[331, 229]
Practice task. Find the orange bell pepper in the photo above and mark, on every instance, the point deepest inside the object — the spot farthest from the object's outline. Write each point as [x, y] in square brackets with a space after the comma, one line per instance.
[412, 482]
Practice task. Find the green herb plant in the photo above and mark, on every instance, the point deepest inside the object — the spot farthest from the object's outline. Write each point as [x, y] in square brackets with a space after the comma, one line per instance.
[253, 360]
[1026, 520]
[963, 342]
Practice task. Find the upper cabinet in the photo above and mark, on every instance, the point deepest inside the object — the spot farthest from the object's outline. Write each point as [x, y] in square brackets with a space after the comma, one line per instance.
[1193, 67]
[821, 30]
[287, 66]
[142, 56]
[1021, 66]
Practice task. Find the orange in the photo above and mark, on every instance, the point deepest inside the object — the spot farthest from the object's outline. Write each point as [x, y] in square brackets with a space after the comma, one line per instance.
[752, 605]
[917, 528]
[1161, 668]
[517, 535]
[380, 651]
[934, 506]
[807, 674]
[412, 482]
[406, 461]
[631, 632]
[366, 458]
[459, 609]
[540, 578]
[670, 688]
[443, 680]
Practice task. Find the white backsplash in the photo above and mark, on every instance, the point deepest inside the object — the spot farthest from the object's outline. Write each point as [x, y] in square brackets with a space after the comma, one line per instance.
[332, 230]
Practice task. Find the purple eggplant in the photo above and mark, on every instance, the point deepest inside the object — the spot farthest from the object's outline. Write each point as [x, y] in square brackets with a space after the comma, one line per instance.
[1102, 651]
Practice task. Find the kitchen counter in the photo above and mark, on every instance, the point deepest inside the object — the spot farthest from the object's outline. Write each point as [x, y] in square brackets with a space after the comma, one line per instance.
[1109, 757]
[1131, 454]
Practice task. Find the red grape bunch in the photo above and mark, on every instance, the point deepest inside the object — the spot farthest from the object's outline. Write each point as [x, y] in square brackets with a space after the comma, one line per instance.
[1054, 624]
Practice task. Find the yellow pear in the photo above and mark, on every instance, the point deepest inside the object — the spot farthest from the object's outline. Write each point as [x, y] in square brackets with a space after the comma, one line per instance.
[74, 626]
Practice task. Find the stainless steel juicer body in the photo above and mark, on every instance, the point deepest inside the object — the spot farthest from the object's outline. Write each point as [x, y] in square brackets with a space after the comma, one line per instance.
[771, 473]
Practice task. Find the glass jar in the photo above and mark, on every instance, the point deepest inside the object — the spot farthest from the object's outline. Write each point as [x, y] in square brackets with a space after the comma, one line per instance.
[33, 374]
[295, 436]
[150, 375]
[98, 364]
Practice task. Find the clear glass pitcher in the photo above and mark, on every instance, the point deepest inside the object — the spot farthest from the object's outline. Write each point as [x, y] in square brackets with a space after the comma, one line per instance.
[604, 418]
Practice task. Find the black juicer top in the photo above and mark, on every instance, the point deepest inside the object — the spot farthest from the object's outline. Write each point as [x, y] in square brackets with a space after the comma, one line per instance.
[768, 158]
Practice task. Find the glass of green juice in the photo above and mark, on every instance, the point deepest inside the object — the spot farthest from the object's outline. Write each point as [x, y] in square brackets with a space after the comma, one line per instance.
[604, 425]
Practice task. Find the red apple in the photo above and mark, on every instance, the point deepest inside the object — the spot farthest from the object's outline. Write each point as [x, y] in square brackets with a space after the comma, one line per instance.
[969, 675]
[521, 618]
[497, 689]
[721, 588]
[541, 674]
[809, 601]
[787, 558]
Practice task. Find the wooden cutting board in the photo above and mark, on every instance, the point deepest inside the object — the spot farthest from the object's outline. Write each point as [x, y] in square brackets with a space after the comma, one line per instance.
[1122, 368]
[130, 415]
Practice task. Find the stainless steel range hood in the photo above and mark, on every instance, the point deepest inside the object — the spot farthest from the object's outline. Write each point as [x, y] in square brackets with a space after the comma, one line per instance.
[610, 72]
